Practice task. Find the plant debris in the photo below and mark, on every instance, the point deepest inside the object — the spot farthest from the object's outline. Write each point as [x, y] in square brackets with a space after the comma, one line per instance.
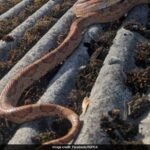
[7, 38]
[7, 129]
[138, 81]
[119, 131]
[138, 106]
[137, 27]
[7, 4]
[59, 128]
[142, 55]
[7, 26]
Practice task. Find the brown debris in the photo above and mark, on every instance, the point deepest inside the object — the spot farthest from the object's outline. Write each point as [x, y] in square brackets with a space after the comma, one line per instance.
[59, 128]
[7, 26]
[44, 137]
[138, 80]
[6, 132]
[142, 55]
[136, 27]
[119, 131]
[4, 6]
[114, 113]
[7, 38]
[138, 106]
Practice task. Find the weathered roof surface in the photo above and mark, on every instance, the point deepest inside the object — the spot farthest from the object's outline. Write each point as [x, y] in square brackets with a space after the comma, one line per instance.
[108, 91]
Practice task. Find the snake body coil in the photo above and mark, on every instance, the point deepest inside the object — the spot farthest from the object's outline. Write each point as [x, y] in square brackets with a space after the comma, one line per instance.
[95, 11]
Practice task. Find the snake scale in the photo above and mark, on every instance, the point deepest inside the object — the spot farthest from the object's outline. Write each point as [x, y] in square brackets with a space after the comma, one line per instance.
[87, 12]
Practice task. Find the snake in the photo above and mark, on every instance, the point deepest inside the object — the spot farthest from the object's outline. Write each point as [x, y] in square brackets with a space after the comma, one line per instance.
[87, 12]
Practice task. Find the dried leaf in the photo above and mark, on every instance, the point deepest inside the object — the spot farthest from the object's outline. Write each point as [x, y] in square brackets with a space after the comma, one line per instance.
[85, 105]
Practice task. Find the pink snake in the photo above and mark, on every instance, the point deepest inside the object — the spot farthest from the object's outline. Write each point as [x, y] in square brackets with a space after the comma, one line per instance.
[87, 12]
